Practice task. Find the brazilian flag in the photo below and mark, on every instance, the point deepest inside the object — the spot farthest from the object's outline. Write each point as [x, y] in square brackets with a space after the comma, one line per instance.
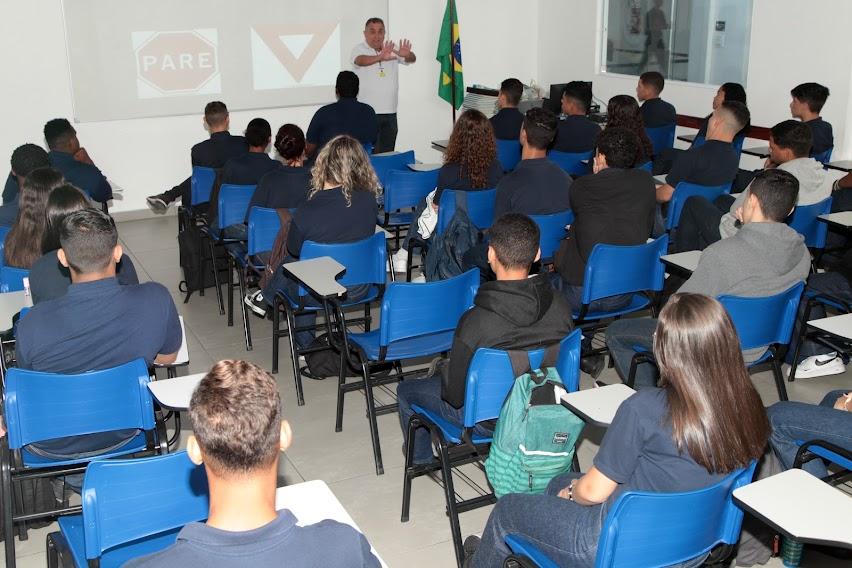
[449, 56]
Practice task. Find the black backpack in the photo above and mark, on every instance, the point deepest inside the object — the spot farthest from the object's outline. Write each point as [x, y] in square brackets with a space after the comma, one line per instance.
[195, 254]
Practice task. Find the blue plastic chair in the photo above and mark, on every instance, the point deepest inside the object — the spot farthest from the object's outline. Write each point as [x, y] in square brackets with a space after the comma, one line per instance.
[813, 449]
[368, 147]
[684, 191]
[45, 406]
[823, 157]
[490, 378]
[805, 220]
[614, 270]
[263, 227]
[12, 279]
[411, 326]
[383, 165]
[662, 137]
[480, 208]
[508, 154]
[551, 232]
[365, 262]
[3, 232]
[201, 184]
[233, 203]
[766, 322]
[403, 191]
[575, 164]
[131, 508]
[661, 529]
[647, 166]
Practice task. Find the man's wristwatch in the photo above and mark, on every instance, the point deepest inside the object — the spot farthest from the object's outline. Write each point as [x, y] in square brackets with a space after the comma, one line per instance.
[571, 489]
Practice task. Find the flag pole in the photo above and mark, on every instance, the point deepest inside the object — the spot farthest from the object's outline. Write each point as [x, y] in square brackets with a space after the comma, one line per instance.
[453, 18]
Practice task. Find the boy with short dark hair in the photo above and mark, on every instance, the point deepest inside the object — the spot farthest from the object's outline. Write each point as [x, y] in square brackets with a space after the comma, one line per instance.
[507, 122]
[73, 161]
[655, 111]
[806, 105]
[576, 131]
[517, 311]
[238, 435]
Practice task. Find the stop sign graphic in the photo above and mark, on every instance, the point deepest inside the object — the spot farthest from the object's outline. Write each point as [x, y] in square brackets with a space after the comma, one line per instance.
[177, 62]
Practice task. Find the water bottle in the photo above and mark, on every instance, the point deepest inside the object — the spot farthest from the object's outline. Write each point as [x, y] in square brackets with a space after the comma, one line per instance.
[791, 552]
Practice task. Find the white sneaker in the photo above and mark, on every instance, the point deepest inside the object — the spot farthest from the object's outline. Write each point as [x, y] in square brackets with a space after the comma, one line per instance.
[399, 259]
[820, 366]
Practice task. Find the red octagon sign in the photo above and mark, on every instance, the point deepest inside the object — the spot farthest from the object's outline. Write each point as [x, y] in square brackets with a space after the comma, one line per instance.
[176, 61]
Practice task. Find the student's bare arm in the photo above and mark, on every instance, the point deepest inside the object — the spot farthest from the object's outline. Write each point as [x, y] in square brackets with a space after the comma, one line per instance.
[165, 358]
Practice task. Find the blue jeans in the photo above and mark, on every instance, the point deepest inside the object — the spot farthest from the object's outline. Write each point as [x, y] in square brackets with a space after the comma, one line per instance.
[574, 296]
[565, 531]
[426, 393]
[621, 336]
[793, 421]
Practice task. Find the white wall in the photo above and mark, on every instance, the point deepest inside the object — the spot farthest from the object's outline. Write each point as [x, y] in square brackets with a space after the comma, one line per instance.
[147, 156]
[545, 40]
[791, 43]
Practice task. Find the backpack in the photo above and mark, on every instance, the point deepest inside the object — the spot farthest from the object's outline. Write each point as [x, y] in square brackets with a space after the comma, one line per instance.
[325, 362]
[535, 437]
[447, 249]
[194, 253]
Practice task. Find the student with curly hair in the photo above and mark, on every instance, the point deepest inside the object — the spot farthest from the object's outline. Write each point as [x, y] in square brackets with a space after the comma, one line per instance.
[622, 111]
[470, 164]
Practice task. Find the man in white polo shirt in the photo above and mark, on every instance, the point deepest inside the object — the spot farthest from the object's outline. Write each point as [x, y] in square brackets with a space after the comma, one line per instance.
[376, 62]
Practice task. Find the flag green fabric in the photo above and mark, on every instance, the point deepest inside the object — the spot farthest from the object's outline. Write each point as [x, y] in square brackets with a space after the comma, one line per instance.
[449, 56]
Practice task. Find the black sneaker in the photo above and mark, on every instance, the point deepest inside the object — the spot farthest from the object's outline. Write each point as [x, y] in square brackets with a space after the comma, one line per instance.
[158, 203]
[592, 365]
[256, 303]
[470, 545]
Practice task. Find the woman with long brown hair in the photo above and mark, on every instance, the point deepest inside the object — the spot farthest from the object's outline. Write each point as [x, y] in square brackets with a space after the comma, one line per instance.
[23, 243]
[704, 422]
[622, 111]
[341, 208]
[470, 164]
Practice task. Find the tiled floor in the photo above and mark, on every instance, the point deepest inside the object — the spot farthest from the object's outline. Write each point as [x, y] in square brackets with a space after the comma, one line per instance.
[344, 460]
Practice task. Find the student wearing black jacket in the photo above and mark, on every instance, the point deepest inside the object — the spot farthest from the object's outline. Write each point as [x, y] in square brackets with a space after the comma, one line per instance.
[210, 153]
[615, 205]
[515, 312]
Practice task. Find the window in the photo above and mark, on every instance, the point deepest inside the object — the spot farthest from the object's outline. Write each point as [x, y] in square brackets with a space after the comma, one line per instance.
[700, 41]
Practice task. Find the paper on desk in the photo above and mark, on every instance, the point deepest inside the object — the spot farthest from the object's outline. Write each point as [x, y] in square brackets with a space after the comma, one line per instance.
[423, 167]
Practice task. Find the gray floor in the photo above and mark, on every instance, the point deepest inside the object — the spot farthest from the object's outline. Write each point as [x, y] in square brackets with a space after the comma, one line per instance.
[344, 460]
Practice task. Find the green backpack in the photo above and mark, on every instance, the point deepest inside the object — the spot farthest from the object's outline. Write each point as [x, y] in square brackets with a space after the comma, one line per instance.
[535, 437]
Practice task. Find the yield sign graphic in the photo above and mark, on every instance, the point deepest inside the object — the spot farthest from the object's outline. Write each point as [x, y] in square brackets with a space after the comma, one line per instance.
[275, 37]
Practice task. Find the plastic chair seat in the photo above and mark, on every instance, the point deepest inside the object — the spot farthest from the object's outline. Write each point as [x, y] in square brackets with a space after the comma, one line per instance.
[398, 218]
[420, 346]
[637, 302]
[72, 531]
[451, 432]
[372, 295]
[30, 459]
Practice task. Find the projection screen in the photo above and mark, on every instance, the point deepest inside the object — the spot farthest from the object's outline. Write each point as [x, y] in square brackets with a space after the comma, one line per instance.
[132, 59]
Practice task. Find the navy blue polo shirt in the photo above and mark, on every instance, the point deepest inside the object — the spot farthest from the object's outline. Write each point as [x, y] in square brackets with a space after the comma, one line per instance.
[84, 176]
[535, 187]
[326, 218]
[218, 149]
[248, 168]
[283, 188]
[10, 190]
[714, 163]
[98, 325]
[507, 124]
[8, 213]
[576, 134]
[279, 543]
[657, 112]
[823, 135]
[346, 116]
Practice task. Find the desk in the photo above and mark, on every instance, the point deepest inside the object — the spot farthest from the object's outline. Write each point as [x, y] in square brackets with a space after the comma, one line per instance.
[842, 220]
[424, 167]
[687, 138]
[440, 145]
[10, 304]
[842, 165]
[760, 151]
[319, 275]
[683, 261]
[175, 394]
[800, 506]
[597, 405]
[841, 326]
[312, 502]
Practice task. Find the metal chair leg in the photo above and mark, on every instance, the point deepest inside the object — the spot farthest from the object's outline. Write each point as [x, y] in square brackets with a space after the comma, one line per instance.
[244, 310]
[8, 501]
[294, 355]
[413, 423]
[371, 416]
[216, 278]
[803, 333]
[450, 494]
[341, 380]
[276, 332]
[230, 290]
[779, 379]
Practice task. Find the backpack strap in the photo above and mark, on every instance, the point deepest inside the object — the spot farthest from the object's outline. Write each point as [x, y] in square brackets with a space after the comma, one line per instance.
[551, 354]
[520, 362]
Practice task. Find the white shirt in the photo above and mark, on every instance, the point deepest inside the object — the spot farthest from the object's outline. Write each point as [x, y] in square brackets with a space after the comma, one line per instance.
[379, 82]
